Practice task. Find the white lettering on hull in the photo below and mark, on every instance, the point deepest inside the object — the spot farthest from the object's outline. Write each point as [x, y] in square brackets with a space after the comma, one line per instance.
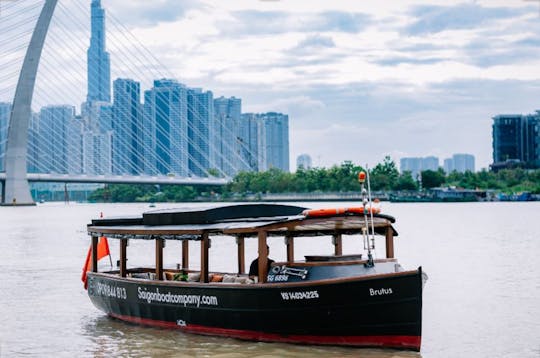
[302, 295]
[106, 290]
[191, 300]
[380, 291]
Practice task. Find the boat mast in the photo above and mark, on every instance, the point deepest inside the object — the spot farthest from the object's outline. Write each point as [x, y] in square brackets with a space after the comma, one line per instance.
[365, 229]
[370, 209]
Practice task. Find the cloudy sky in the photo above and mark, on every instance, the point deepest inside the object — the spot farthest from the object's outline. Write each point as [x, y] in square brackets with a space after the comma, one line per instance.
[358, 79]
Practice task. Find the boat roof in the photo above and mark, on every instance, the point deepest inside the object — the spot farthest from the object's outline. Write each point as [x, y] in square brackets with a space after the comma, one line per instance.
[240, 219]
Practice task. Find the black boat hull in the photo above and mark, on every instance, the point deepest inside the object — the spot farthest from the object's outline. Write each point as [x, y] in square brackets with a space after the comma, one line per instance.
[372, 311]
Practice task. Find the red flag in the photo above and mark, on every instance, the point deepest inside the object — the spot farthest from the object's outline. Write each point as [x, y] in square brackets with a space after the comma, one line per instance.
[102, 251]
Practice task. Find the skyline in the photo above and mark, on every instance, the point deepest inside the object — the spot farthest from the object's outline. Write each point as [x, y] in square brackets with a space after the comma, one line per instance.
[359, 83]
[408, 79]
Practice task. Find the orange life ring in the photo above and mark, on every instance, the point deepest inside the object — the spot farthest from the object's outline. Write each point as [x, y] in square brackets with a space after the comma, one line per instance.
[340, 211]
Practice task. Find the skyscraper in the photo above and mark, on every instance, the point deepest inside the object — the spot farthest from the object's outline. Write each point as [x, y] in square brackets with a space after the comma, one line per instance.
[127, 124]
[200, 117]
[96, 152]
[99, 67]
[166, 129]
[225, 133]
[250, 124]
[54, 129]
[275, 141]
[460, 163]
[411, 164]
[516, 138]
[417, 165]
[430, 163]
[463, 163]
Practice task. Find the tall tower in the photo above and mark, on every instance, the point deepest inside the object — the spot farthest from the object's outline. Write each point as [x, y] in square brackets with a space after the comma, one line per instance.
[99, 65]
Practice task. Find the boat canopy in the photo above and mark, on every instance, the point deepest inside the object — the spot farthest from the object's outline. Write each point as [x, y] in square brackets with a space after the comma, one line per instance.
[241, 221]
[246, 220]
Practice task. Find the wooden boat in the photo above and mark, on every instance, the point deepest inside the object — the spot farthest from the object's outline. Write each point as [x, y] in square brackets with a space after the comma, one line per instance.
[328, 299]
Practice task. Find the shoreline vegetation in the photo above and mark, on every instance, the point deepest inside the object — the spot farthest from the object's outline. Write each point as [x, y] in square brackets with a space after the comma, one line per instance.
[339, 183]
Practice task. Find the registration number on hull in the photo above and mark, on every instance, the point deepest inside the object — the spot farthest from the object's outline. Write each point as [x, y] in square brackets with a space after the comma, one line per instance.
[300, 295]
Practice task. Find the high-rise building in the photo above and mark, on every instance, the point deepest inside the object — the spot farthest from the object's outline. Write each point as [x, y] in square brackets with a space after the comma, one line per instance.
[303, 161]
[200, 115]
[463, 163]
[5, 113]
[127, 128]
[448, 165]
[411, 164]
[250, 126]
[96, 137]
[460, 163]
[430, 163]
[54, 129]
[274, 141]
[97, 152]
[417, 165]
[99, 67]
[74, 143]
[516, 138]
[166, 128]
[225, 133]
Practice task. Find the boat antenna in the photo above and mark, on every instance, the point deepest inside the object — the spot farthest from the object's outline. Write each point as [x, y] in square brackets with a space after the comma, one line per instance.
[362, 180]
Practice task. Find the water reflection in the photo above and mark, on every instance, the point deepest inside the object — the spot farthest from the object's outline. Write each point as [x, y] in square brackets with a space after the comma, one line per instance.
[111, 337]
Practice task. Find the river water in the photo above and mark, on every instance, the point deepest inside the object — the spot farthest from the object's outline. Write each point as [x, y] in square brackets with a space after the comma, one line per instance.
[482, 298]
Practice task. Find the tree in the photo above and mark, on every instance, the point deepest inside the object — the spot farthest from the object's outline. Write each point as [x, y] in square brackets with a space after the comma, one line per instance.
[432, 179]
[406, 182]
[385, 175]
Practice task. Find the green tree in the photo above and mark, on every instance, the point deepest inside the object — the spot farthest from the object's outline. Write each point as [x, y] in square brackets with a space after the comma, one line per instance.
[406, 182]
[384, 176]
[432, 179]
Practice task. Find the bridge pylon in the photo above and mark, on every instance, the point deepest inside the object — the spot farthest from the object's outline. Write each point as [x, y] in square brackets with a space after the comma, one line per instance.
[16, 189]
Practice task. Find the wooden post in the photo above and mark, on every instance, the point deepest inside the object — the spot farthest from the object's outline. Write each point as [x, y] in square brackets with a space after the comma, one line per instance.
[389, 242]
[338, 245]
[289, 240]
[94, 253]
[263, 257]
[159, 258]
[204, 257]
[123, 257]
[241, 254]
[185, 256]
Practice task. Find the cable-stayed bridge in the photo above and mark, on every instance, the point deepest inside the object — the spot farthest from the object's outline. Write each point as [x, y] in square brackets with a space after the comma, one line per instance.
[93, 104]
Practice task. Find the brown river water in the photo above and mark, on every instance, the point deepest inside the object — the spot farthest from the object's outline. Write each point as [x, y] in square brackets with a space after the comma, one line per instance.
[482, 298]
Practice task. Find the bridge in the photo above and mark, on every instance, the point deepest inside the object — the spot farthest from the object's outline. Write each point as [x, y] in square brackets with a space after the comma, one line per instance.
[121, 179]
[169, 134]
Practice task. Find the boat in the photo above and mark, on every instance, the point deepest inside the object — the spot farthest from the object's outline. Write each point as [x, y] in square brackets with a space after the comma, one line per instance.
[326, 299]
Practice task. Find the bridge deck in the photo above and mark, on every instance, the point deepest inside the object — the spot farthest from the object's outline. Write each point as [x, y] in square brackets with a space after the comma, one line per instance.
[122, 179]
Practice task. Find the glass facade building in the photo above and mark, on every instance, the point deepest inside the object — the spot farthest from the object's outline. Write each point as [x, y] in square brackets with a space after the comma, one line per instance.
[200, 117]
[225, 133]
[166, 128]
[274, 141]
[127, 128]
[516, 138]
[54, 131]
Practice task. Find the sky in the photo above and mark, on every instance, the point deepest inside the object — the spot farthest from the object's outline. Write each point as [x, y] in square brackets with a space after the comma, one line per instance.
[359, 80]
